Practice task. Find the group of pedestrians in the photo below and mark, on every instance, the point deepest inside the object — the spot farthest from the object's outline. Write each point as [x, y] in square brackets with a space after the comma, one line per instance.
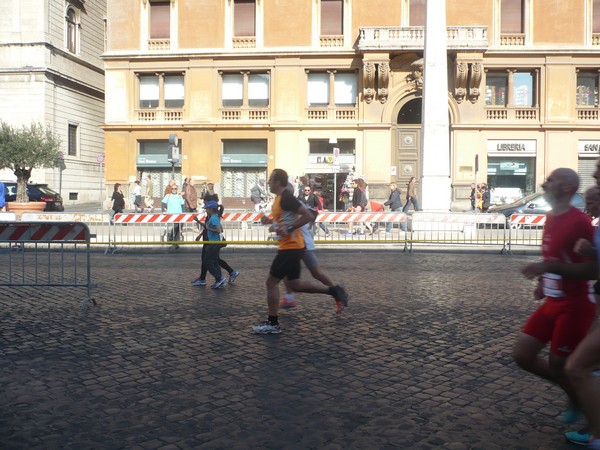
[480, 197]
[570, 255]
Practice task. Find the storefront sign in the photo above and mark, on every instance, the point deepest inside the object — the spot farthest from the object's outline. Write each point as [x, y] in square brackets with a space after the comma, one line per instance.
[526, 147]
[154, 161]
[330, 159]
[588, 148]
[242, 160]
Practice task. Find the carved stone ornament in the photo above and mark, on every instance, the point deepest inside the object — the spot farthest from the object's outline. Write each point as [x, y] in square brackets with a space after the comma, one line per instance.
[475, 82]
[369, 81]
[462, 73]
[383, 81]
[415, 77]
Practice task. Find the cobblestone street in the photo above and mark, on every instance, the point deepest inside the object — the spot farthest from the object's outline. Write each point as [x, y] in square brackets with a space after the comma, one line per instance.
[420, 359]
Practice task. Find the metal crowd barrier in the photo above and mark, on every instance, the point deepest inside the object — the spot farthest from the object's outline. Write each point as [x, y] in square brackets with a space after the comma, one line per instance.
[46, 254]
[98, 223]
[525, 230]
[147, 229]
[458, 228]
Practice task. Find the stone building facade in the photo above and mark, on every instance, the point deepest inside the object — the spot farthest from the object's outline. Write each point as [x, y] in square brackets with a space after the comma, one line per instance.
[329, 88]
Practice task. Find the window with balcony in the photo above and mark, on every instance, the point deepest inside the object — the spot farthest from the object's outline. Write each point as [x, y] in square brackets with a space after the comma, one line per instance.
[332, 95]
[160, 25]
[332, 23]
[245, 96]
[511, 94]
[72, 30]
[586, 94]
[512, 22]
[416, 13]
[161, 97]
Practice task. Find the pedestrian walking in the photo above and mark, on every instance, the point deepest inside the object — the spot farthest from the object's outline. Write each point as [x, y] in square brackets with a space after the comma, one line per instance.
[136, 197]
[258, 194]
[288, 216]
[210, 195]
[411, 195]
[562, 278]
[394, 202]
[149, 194]
[190, 196]
[201, 280]
[172, 203]
[118, 200]
[212, 255]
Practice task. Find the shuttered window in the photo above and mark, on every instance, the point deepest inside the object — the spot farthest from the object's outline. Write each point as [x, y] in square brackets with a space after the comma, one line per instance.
[71, 31]
[596, 16]
[318, 89]
[244, 18]
[417, 13]
[332, 18]
[344, 88]
[511, 16]
[233, 90]
[149, 91]
[72, 144]
[174, 91]
[258, 90]
[160, 20]
[586, 168]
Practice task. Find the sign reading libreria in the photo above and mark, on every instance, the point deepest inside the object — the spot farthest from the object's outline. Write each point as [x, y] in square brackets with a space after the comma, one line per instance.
[511, 147]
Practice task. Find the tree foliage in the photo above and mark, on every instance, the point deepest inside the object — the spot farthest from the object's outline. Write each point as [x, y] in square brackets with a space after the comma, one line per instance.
[26, 148]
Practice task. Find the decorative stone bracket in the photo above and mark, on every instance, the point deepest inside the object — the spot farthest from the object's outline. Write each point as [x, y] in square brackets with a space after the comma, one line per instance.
[381, 71]
[468, 75]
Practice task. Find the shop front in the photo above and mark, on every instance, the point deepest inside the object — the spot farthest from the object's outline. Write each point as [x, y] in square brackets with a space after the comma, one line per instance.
[153, 160]
[587, 152]
[243, 163]
[510, 169]
[328, 166]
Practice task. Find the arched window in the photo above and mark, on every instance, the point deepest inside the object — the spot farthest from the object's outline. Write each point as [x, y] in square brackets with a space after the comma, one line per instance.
[72, 30]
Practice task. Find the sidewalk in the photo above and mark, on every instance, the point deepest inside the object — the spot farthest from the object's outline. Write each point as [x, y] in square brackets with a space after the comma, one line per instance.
[420, 360]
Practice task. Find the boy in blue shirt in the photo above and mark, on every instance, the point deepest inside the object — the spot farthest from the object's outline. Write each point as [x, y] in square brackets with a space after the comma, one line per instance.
[214, 229]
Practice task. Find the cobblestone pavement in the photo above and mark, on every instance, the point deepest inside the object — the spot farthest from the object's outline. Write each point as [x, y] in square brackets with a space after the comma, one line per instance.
[421, 359]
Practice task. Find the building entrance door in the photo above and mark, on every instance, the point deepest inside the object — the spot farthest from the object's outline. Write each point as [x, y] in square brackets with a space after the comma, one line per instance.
[407, 151]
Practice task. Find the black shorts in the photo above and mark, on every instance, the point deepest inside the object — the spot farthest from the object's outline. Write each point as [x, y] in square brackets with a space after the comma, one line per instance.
[287, 264]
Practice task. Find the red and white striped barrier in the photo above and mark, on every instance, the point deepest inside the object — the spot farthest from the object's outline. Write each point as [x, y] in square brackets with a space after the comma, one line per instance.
[184, 217]
[527, 219]
[361, 217]
[44, 232]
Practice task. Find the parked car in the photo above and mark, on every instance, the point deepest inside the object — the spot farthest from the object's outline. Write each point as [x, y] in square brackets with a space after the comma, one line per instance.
[534, 204]
[37, 193]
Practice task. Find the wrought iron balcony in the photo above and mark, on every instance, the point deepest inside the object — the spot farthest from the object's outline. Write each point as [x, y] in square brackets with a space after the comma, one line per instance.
[413, 38]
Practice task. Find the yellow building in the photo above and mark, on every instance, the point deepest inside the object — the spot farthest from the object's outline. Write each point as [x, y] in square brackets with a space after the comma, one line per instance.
[328, 87]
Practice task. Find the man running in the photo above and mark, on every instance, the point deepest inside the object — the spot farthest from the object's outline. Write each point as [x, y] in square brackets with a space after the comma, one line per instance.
[288, 216]
[569, 308]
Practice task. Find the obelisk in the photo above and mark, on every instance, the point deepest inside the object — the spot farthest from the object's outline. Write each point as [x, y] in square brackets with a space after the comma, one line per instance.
[435, 154]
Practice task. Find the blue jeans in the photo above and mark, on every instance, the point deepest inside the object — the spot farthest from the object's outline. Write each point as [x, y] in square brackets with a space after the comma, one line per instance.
[412, 200]
[390, 225]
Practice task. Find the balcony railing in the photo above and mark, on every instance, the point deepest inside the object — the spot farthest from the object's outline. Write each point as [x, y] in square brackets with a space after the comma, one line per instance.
[245, 114]
[244, 42]
[513, 113]
[413, 38]
[159, 44]
[332, 41]
[514, 40]
[330, 114]
[159, 115]
[587, 114]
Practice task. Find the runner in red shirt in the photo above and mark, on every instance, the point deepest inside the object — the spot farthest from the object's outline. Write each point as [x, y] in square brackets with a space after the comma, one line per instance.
[569, 307]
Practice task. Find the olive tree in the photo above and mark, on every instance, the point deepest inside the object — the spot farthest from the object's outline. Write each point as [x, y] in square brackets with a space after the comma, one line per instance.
[25, 148]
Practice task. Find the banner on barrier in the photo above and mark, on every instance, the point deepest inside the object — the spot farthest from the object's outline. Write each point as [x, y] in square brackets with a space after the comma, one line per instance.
[65, 217]
[8, 217]
[44, 232]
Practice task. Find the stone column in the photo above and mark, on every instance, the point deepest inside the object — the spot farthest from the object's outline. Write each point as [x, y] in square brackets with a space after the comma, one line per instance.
[435, 191]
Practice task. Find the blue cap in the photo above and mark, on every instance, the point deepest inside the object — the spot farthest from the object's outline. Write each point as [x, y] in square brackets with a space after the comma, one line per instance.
[212, 204]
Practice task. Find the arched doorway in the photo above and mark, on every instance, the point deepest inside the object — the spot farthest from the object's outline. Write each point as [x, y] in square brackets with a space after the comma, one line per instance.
[407, 154]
